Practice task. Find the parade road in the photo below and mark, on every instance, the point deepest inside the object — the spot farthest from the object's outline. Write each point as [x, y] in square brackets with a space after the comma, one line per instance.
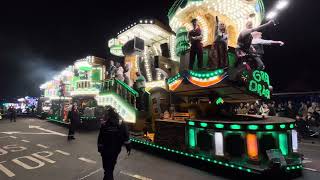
[33, 149]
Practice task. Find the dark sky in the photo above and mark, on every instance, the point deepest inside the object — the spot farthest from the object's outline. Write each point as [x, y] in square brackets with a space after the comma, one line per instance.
[39, 38]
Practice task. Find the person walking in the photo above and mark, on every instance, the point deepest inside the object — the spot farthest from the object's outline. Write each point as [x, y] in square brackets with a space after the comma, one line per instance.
[13, 114]
[113, 134]
[74, 119]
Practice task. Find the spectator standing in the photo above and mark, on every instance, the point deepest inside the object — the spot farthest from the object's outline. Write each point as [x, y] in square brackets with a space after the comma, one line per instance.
[13, 113]
[74, 118]
[264, 110]
[303, 110]
[113, 134]
[280, 110]
[290, 111]
[242, 109]
[112, 70]
[312, 108]
[252, 110]
[272, 109]
[119, 72]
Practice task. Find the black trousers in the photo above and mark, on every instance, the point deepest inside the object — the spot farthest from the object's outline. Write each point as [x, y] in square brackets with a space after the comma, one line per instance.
[109, 162]
[12, 118]
[259, 62]
[71, 131]
[196, 51]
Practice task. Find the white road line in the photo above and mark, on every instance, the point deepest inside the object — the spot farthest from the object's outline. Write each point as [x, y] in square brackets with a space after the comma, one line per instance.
[134, 175]
[87, 160]
[42, 146]
[306, 161]
[6, 171]
[13, 137]
[94, 172]
[310, 169]
[63, 152]
[47, 130]
[25, 141]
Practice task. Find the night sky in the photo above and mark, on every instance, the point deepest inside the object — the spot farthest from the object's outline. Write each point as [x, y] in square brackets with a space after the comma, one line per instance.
[39, 38]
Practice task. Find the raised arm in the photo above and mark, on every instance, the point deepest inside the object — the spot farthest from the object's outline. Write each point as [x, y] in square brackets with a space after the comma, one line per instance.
[247, 32]
[267, 42]
[217, 26]
[261, 27]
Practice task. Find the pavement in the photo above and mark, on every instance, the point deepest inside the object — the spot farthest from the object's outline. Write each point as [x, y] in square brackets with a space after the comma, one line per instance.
[33, 149]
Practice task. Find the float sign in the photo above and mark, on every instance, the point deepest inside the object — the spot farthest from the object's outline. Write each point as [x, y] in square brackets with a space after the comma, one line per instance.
[259, 83]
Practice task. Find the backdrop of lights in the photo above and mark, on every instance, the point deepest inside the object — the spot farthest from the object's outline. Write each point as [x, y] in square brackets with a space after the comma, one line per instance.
[234, 13]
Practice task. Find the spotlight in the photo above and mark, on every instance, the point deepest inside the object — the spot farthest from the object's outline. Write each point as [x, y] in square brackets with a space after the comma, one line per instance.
[282, 4]
[272, 15]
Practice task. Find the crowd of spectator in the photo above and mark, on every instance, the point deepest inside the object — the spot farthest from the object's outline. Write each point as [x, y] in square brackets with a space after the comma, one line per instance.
[306, 113]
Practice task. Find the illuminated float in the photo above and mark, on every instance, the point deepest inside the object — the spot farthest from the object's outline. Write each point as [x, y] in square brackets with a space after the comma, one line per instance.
[188, 112]
[79, 84]
[191, 116]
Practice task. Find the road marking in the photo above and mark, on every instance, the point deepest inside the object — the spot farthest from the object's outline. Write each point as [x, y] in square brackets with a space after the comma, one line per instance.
[25, 141]
[135, 175]
[310, 169]
[5, 170]
[63, 152]
[306, 161]
[13, 137]
[87, 160]
[94, 172]
[4, 137]
[31, 133]
[47, 130]
[42, 146]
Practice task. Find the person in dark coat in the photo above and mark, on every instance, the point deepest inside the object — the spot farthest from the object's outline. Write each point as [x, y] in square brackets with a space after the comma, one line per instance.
[13, 114]
[113, 134]
[74, 118]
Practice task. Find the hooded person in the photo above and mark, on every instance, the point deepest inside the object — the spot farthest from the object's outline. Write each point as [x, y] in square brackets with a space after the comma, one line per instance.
[113, 134]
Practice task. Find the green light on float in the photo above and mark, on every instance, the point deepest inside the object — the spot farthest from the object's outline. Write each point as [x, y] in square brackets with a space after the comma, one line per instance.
[219, 126]
[283, 143]
[191, 123]
[253, 127]
[282, 126]
[269, 127]
[192, 137]
[291, 126]
[204, 125]
[219, 101]
[235, 127]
